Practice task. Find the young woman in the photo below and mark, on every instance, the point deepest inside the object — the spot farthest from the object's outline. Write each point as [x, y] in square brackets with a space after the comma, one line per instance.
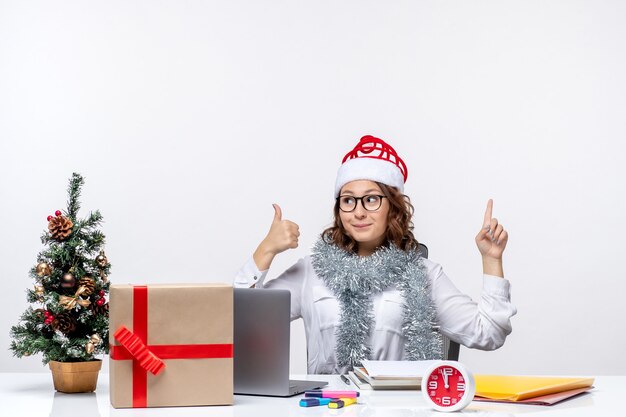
[365, 292]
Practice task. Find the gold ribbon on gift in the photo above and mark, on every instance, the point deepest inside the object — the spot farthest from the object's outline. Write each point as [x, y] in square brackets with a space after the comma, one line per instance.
[69, 303]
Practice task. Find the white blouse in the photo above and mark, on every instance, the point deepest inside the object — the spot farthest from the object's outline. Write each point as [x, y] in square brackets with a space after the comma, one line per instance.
[483, 325]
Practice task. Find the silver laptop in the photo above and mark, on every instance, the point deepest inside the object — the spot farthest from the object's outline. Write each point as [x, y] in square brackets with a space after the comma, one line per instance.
[261, 344]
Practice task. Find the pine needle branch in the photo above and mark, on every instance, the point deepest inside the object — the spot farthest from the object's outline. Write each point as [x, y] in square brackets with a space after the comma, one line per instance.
[74, 190]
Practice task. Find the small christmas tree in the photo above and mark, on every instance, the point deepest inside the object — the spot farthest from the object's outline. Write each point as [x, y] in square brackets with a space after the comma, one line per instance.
[71, 288]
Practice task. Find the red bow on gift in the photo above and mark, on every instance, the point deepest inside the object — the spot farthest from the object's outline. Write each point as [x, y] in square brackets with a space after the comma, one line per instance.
[133, 344]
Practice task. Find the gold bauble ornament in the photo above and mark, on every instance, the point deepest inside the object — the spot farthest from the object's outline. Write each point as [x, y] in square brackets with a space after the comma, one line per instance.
[102, 260]
[95, 339]
[43, 269]
[39, 290]
[90, 347]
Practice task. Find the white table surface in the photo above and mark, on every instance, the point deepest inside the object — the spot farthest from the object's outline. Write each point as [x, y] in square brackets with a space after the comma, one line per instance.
[32, 395]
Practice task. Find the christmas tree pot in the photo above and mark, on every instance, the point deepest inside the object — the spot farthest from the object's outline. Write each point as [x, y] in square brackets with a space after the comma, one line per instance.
[72, 377]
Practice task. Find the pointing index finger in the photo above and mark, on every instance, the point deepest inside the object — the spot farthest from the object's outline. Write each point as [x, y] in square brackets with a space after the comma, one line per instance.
[488, 212]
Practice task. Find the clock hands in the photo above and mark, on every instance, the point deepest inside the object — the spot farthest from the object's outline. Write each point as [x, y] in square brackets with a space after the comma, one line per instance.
[445, 372]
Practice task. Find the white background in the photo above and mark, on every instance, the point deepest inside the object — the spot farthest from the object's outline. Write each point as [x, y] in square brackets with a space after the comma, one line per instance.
[189, 118]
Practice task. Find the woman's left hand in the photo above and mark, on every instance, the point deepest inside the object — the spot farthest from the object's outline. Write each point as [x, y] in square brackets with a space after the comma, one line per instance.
[492, 238]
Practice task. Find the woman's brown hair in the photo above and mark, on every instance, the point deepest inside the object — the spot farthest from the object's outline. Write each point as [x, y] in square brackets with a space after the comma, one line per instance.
[399, 224]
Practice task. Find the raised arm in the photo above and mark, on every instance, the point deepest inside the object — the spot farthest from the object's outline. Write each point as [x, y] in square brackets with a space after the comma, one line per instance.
[486, 323]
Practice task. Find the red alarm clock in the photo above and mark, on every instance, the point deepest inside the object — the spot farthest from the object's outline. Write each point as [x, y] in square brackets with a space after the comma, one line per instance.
[448, 386]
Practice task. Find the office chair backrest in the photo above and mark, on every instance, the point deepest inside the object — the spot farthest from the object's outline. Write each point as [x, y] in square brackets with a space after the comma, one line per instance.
[450, 348]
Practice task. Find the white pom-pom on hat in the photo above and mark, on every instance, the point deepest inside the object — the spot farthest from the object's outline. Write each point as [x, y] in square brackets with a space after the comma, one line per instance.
[375, 160]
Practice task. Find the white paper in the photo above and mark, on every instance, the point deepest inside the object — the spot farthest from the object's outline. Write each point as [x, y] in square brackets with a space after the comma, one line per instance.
[403, 369]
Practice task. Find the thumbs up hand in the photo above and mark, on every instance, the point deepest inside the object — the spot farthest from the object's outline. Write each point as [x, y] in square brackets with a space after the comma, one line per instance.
[283, 235]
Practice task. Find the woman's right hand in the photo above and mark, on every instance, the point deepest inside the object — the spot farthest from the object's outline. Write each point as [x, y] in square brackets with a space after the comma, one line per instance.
[283, 235]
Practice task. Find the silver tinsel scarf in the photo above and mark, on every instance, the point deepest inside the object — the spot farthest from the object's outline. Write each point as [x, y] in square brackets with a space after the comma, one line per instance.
[354, 279]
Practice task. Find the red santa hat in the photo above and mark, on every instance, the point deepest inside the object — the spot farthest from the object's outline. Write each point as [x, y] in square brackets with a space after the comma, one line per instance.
[375, 160]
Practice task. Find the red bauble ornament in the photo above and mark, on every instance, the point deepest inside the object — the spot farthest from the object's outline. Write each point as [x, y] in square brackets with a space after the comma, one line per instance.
[49, 218]
[101, 293]
[100, 301]
[57, 213]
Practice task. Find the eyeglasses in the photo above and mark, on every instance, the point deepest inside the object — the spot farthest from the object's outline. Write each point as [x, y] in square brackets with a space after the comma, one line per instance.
[372, 202]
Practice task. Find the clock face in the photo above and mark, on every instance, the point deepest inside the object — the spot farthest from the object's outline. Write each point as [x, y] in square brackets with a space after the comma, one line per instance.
[446, 386]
